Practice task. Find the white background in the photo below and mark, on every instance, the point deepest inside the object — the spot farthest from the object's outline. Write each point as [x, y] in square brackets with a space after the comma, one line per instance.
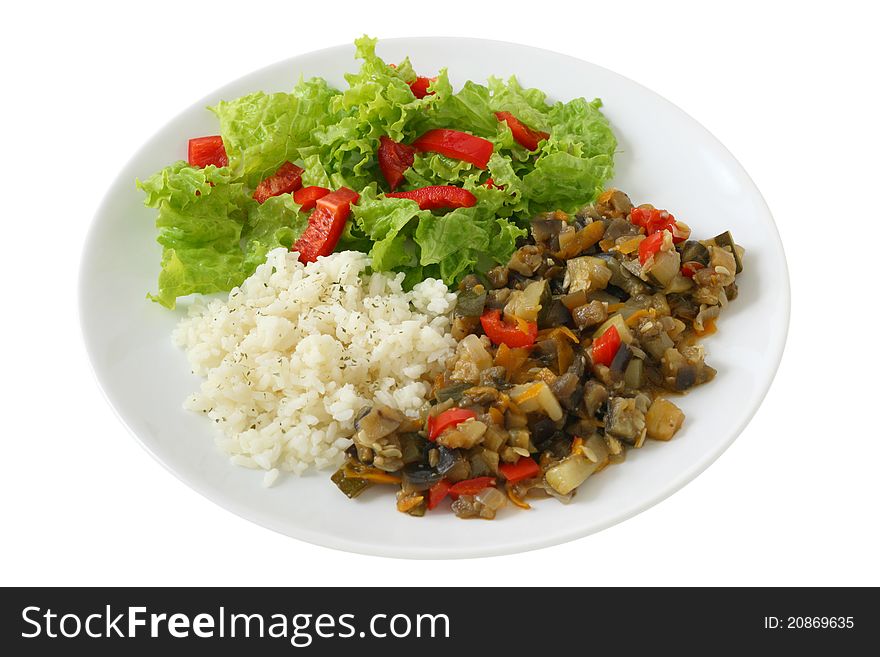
[790, 89]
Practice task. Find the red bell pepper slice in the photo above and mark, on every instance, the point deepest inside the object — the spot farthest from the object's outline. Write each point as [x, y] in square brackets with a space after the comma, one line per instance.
[437, 493]
[326, 224]
[490, 183]
[470, 486]
[522, 133]
[437, 197]
[203, 151]
[641, 216]
[500, 332]
[457, 145]
[525, 468]
[286, 180]
[338, 203]
[420, 85]
[307, 197]
[394, 159]
[605, 346]
[446, 420]
[654, 221]
[649, 246]
[691, 267]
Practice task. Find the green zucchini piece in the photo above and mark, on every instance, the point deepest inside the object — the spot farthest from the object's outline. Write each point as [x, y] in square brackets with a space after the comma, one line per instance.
[349, 486]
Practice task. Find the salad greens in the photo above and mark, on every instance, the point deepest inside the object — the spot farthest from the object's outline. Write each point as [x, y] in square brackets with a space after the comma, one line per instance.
[214, 234]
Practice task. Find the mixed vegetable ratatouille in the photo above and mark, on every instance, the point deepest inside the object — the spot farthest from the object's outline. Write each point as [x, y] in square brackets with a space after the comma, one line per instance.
[565, 358]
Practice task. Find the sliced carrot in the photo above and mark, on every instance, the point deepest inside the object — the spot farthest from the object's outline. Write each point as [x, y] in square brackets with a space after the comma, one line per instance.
[518, 501]
[371, 474]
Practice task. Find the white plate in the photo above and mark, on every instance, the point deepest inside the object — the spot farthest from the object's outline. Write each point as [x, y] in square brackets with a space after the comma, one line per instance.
[666, 158]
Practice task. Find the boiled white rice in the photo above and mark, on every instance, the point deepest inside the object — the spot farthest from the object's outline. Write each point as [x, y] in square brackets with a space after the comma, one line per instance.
[296, 351]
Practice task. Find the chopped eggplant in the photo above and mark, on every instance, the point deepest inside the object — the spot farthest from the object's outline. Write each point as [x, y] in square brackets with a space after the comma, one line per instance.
[725, 240]
[542, 429]
[446, 459]
[413, 448]
[680, 375]
[494, 378]
[613, 203]
[545, 229]
[634, 377]
[611, 294]
[621, 359]
[420, 476]
[595, 396]
[553, 314]
[692, 251]
[497, 276]
[464, 326]
[625, 420]
[590, 314]
[723, 263]
[620, 227]
[657, 345]
[526, 260]
[471, 302]
[566, 389]
[379, 421]
[575, 299]
[453, 392]
[621, 277]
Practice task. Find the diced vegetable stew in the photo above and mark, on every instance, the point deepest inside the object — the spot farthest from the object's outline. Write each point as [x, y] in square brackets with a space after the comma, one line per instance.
[565, 361]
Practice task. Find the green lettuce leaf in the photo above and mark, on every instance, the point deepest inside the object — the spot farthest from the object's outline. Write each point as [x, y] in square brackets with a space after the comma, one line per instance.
[276, 222]
[214, 235]
[200, 220]
[262, 131]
